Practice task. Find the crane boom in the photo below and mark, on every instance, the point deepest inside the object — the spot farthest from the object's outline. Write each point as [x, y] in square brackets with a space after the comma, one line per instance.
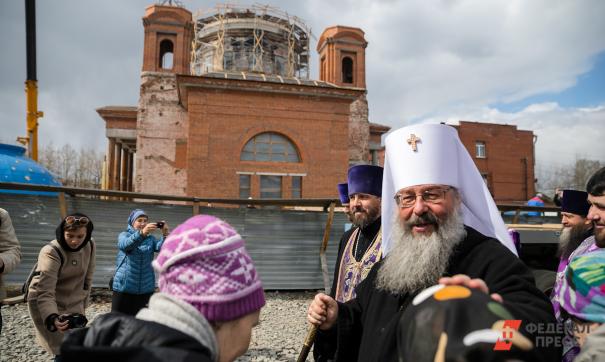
[31, 83]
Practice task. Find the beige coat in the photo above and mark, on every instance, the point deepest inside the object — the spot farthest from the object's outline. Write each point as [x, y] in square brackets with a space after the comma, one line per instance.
[10, 252]
[59, 290]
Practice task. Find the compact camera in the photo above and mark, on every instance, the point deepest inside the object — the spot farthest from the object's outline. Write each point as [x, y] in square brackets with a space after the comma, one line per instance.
[159, 224]
[74, 320]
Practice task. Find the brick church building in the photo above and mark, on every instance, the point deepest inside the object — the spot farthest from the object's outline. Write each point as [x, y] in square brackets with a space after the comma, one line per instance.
[227, 109]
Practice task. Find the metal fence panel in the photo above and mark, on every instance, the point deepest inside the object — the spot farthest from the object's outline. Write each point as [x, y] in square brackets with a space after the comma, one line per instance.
[283, 244]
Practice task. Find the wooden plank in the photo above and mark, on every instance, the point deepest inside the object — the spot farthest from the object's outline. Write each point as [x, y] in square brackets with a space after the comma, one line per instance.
[324, 246]
[13, 300]
[62, 205]
[310, 339]
[516, 218]
[136, 195]
[539, 227]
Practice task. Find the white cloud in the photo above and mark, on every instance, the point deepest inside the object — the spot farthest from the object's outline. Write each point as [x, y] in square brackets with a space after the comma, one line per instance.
[564, 134]
[425, 60]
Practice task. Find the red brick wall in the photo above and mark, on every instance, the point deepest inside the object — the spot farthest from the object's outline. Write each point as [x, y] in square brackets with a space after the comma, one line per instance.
[221, 121]
[509, 161]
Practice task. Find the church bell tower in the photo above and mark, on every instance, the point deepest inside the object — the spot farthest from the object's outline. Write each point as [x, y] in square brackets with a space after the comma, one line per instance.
[168, 36]
[342, 61]
[342, 56]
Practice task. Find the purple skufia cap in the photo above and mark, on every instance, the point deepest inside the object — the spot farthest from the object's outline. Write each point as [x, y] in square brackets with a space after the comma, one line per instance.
[365, 179]
[575, 202]
[343, 193]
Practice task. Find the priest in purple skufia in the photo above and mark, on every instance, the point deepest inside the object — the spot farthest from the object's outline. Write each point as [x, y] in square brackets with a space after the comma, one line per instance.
[360, 246]
[343, 194]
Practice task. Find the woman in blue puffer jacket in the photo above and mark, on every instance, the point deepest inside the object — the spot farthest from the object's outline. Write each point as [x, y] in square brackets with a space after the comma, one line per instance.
[134, 280]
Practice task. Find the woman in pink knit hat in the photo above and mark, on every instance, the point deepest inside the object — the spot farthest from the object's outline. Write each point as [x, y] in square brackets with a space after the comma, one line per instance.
[210, 298]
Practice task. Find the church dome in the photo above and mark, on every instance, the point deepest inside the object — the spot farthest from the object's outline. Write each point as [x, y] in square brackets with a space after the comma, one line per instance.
[16, 167]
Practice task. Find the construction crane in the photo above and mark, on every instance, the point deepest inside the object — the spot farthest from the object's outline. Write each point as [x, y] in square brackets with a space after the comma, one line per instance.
[31, 83]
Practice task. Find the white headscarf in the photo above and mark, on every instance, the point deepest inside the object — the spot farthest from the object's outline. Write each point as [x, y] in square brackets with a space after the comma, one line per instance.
[440, 158]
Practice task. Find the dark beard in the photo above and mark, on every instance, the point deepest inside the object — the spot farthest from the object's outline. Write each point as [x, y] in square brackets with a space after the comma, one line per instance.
[418, 261]
[570, 239]
[366, 218]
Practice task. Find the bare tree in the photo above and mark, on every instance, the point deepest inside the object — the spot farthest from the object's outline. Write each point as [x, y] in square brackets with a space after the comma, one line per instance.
[567, 176]
[583, 170]
[79, 168]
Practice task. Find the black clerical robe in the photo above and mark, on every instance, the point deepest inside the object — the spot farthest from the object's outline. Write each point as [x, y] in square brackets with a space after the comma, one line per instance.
[326, 351]
[366, 326]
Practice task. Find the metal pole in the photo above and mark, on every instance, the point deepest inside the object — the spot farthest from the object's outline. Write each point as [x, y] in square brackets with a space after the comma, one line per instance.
[31, 84]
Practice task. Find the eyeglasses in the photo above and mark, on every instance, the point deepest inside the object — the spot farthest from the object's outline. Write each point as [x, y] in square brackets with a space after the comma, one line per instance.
[432, 196]
[70, 220]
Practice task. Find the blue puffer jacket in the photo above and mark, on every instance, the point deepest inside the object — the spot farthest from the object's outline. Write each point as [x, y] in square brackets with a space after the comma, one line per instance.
[134, 274]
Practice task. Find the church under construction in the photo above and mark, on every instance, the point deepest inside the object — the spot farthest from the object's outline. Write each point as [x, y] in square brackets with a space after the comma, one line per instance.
[227, 108]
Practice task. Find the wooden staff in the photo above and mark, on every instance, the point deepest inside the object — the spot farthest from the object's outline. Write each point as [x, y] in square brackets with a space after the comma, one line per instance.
[304, 352]
[308, 343]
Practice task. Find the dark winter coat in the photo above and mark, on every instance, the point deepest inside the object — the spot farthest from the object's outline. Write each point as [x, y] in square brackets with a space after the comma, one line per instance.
[119, 337]
[169, 330]
[366, 326]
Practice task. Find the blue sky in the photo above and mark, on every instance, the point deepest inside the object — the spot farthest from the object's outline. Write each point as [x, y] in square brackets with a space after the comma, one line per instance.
[589, 91]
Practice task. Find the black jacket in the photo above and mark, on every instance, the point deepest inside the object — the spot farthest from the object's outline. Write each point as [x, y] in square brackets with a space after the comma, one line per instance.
[366, 326]
[118, 337]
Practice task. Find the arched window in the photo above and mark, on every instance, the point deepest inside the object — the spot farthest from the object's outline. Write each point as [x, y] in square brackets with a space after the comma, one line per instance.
[166, 54]
[347, 70]
[269, 147]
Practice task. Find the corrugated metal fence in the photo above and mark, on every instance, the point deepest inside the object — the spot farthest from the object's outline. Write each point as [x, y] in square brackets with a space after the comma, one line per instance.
[283, 244]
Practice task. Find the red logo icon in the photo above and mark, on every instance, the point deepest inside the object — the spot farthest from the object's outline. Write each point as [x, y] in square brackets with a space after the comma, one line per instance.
[508, 330]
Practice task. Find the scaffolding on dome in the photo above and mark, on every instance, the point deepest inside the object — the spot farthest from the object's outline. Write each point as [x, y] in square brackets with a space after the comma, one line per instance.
[171, 3]
[258, 38]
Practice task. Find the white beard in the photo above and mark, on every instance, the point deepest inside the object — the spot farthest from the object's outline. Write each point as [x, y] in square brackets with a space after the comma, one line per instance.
[417, 262]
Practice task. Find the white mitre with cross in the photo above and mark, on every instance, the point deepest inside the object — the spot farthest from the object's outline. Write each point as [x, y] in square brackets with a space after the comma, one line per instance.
[433, 154]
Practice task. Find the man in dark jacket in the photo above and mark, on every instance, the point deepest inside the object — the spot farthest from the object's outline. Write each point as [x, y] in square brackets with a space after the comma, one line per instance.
[442, 227]
[120, 337]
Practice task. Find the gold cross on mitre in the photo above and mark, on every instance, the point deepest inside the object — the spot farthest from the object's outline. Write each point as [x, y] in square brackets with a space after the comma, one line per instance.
[412, 142]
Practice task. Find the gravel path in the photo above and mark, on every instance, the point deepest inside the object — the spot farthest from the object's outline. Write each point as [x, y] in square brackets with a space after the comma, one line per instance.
[279, 336]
